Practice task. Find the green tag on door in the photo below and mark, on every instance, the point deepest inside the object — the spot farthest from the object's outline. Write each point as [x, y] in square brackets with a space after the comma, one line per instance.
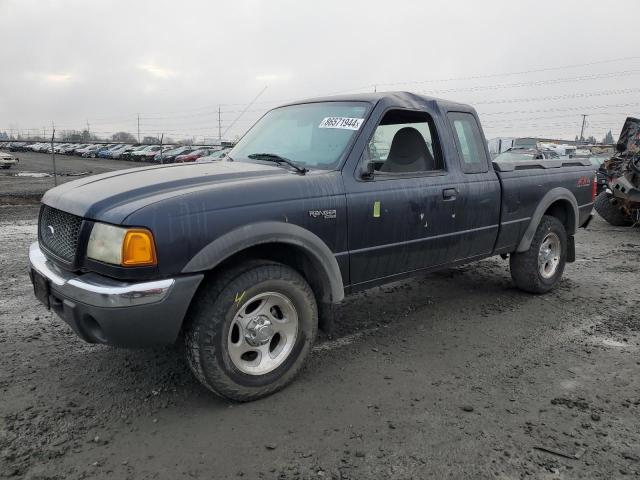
[376, 209]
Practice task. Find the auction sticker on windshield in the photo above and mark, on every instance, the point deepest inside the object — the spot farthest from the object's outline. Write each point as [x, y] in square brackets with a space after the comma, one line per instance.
[341, 122]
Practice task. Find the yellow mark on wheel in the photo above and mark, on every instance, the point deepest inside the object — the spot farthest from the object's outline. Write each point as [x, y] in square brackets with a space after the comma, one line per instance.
[376, 209]
[239, 297]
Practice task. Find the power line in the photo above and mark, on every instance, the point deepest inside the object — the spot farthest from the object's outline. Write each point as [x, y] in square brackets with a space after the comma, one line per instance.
[537, 83]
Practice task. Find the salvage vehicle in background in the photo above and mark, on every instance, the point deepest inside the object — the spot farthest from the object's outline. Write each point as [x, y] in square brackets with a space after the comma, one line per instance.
[521, 154]
[244, 259]
[619, 179]
[7, 160]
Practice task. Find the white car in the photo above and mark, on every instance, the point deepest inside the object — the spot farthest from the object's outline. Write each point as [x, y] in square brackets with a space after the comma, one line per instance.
[7, 160]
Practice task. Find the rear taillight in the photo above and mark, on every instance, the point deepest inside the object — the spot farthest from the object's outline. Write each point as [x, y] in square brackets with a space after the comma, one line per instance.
[594, 187]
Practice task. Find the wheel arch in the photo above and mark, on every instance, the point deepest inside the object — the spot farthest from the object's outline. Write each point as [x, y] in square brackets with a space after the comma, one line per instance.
[283, 242]
[558, 202]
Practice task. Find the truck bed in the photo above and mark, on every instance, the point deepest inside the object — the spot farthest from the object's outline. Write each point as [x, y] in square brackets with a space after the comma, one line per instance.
[530, 188]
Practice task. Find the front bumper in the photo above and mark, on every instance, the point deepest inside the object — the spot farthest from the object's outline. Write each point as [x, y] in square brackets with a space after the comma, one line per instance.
[102, 310]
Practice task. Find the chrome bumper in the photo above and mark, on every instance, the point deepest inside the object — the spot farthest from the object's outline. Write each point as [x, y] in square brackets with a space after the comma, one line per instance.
[96, 290]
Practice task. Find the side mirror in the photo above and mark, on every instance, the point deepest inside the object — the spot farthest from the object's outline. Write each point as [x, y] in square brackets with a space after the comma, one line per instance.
[368, 170]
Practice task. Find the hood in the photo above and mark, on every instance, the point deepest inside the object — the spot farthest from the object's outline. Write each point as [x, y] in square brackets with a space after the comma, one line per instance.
[112, 196]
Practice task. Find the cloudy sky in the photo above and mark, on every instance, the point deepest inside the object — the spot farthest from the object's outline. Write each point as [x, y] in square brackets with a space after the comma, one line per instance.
[529, 67]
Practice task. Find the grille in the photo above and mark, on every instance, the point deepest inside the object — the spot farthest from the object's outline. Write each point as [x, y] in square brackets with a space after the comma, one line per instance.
[58, 232]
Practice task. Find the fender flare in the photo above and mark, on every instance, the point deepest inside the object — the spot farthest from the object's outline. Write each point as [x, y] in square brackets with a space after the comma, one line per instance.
[552, 196]
[254, 234]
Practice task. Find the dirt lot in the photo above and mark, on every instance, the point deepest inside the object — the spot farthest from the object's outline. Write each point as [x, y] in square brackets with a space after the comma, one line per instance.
[33, 175]
[452, 375]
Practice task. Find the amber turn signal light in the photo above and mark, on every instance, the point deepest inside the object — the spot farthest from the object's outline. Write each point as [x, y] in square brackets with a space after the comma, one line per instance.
[138, 248]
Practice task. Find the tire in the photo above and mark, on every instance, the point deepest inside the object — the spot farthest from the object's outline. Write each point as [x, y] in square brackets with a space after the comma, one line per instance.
[610, 212]
[534, 273]
[215, 334]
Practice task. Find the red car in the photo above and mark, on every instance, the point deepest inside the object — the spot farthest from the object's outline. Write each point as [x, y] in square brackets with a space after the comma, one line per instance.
[193, 156]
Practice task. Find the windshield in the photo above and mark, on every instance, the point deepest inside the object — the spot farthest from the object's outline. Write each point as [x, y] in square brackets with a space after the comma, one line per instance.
[313, 135]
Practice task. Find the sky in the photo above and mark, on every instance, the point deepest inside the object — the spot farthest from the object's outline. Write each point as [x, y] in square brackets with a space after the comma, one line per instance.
[530, 68]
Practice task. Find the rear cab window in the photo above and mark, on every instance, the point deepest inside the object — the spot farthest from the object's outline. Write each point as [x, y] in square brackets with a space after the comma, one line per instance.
[469, 142]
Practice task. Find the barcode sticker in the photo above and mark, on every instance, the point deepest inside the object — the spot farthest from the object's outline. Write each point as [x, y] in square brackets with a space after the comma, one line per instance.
[341, 122]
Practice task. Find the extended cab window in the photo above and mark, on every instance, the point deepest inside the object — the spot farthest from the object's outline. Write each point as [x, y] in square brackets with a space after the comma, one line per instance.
[469, 142]
[405, 142]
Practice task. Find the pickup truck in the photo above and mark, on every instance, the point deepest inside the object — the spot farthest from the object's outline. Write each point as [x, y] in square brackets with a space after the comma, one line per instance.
[242, 260]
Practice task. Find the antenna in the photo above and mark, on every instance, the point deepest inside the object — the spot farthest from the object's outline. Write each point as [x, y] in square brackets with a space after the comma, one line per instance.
[53, 154]
[243, 111]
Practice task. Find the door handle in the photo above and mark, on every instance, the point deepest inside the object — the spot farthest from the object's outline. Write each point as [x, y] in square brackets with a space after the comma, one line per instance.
[449, 194]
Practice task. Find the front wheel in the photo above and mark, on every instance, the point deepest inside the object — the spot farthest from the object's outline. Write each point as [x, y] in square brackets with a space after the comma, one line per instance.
[250, 330]
[538, 270]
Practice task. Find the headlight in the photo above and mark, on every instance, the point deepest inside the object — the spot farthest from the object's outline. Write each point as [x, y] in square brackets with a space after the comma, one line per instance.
[121, 246]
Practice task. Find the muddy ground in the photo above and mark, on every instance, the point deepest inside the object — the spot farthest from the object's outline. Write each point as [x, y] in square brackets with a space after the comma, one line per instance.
[33, 175]
[451, 375]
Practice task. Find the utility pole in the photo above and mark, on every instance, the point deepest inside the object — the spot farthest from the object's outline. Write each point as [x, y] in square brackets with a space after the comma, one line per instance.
[88, 129]
[219, 127]
[161, 159]
[138, 128]
[584, 119]
[53, 154]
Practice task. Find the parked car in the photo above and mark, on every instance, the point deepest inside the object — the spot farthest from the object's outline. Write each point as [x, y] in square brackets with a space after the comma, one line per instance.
[90, 151]
[39, 147]
[193, 156]
[215, 155]
[58, 147]
[104, 148]
[117, 151]
[7, 160]
[71, 150]
[126, 155]
[243, 259]
[108, 151]
[145, 154]
[18, 146]
[79, 151]
[170, 155]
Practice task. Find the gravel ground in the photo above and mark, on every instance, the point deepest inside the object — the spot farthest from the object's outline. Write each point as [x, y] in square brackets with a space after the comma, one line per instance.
[451, 375]
[33, 175]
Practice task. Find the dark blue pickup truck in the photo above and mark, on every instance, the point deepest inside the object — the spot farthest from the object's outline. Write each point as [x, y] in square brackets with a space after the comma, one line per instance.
[243, 259]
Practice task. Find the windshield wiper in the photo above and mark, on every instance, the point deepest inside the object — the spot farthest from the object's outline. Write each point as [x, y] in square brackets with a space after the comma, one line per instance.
[272, 157]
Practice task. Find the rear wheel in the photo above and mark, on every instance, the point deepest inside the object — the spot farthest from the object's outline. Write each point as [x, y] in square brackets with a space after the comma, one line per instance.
[538, 270]
[250, 330]
[607, 208]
